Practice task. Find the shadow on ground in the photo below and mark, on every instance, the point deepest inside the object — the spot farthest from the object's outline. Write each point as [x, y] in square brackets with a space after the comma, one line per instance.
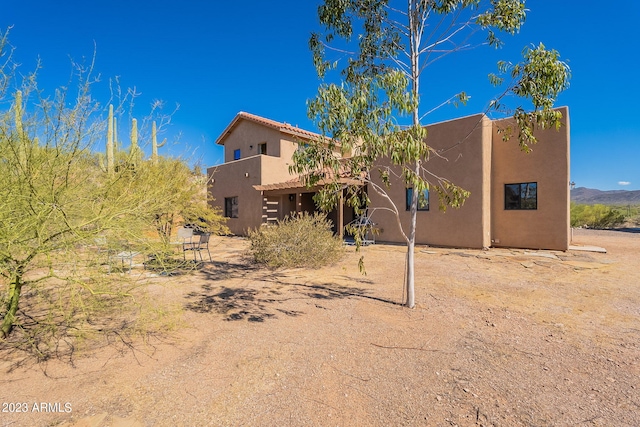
[263, 294]
[627, 230]
[224, 270]
[43, 334]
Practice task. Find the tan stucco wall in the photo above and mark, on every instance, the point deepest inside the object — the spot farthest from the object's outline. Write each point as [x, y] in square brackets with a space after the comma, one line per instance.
[246, 136]
[547, 227]
[274, 169]
[230, 180]
[477, 160]
[288, 146]
[237, 177]
[467, 165]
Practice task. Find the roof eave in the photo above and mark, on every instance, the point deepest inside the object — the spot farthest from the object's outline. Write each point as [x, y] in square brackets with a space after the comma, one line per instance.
[283, 128]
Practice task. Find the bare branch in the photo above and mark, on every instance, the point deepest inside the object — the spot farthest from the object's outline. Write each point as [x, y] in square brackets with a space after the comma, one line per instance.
[448, 38]
[448, 101]
[403, 29]
[335, 49]
[378, 189]
[404, 67]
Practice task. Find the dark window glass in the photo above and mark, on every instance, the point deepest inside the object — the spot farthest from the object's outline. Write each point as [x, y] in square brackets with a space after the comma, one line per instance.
[262, 148]
[231, 207]
[236, 154]
[423, 200]
[521, 196]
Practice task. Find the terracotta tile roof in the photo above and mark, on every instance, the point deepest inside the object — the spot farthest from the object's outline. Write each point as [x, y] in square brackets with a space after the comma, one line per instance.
[282, 127]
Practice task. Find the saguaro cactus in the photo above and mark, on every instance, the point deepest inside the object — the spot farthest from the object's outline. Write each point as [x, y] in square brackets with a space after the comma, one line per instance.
[134, 137]
[110, 126]
[22, 144]
[18, 112]
[135, 153]
[116, 143]
[154, 144]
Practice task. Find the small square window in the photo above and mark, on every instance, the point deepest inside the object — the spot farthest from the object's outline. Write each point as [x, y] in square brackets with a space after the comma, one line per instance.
[231, 207]
[522, 196]
[236, 154]
[262, 148]
[423, 200]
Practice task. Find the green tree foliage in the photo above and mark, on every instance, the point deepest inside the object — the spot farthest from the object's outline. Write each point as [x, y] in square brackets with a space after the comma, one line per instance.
[382, 51]
[299, 241]
[595, 216]
[56, 200]
[185, 200]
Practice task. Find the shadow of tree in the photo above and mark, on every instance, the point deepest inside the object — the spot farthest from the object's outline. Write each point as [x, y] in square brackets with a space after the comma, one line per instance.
[173, 267]
[362, 279]
[259, 304]
[44, 332]
[234, 303]
[333, 291]
[223, 270]
[627, 230]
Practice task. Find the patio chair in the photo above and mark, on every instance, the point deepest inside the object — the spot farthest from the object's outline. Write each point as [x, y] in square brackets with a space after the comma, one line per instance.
[200, 245]
[185, 238]
[367, 227]
[112, 254]
[126, 255]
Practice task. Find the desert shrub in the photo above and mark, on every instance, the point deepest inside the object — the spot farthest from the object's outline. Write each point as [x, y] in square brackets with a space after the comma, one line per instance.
[62, 320]
[299, 241]
[595, 216]
[204, 218]
[58, 197]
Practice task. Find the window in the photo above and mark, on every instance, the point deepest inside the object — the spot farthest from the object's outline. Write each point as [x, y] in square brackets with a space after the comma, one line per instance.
[262, 148]
[423, 200]
[236, 154]
[231, 207]
[521, 196]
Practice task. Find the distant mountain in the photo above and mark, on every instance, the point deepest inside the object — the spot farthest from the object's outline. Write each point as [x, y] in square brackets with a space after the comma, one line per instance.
[592, 196]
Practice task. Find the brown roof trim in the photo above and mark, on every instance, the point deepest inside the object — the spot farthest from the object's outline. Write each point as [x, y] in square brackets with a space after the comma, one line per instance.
[328, 177]
[297, 183]
[291, 184]
[282, 127]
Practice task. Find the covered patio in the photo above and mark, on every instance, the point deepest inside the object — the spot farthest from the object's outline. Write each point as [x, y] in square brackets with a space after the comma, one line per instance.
[282, 199]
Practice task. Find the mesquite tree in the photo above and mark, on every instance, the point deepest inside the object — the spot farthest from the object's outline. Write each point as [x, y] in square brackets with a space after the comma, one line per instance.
[373, 117]
[57, 198]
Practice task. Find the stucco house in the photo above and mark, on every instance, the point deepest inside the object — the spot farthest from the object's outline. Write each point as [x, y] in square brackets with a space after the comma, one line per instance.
[517, 199]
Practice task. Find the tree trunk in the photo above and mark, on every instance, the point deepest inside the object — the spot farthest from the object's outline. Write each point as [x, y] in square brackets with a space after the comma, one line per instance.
[411, 244]
[414, 40]
[12, 305]
[164, 226]
[411, 294]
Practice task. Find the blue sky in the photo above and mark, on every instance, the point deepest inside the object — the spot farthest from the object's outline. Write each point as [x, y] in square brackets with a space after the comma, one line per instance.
[215, 59]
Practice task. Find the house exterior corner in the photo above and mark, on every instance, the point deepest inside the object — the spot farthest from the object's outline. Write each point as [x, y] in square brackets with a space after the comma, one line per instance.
[516, 199]
[547, 166]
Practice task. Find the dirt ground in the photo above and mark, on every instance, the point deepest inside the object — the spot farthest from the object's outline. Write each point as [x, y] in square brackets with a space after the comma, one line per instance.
[498, 338]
